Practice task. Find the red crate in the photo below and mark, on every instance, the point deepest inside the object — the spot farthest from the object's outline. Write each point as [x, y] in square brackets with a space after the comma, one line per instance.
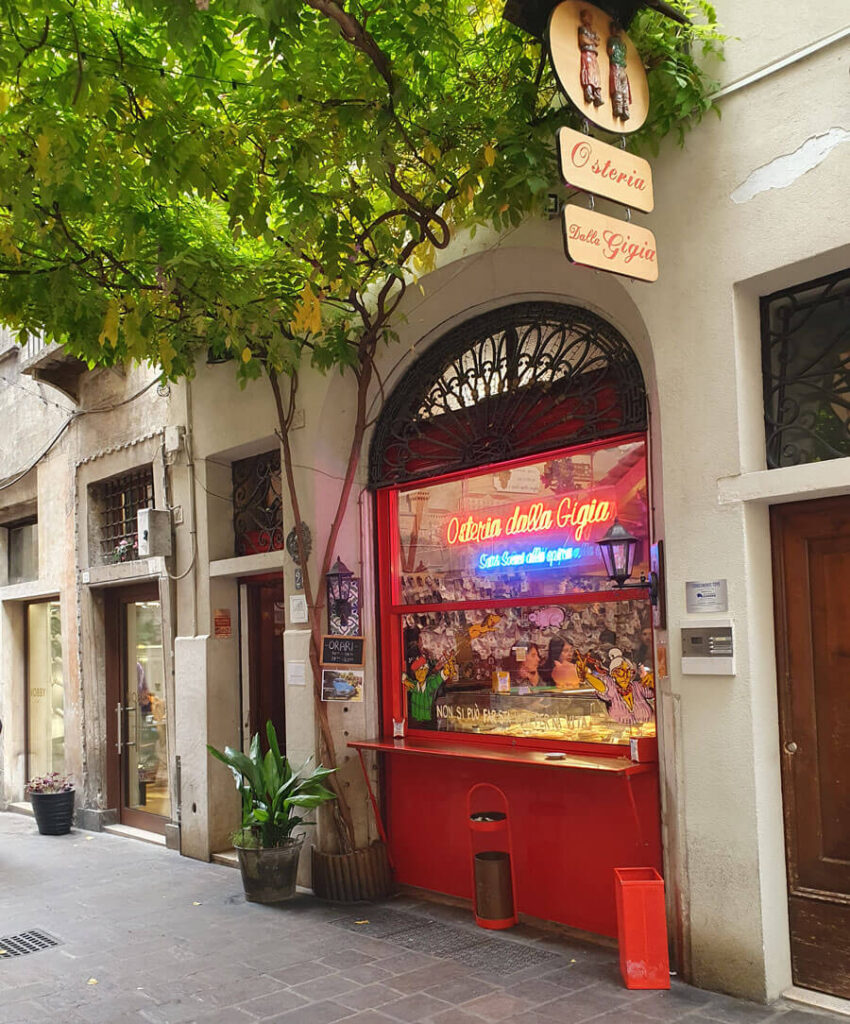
[642, 928]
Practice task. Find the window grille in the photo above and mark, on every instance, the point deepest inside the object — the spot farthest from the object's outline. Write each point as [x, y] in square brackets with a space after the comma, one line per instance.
[257, 504]
[519, 380]
[117, 504]
[806, 371]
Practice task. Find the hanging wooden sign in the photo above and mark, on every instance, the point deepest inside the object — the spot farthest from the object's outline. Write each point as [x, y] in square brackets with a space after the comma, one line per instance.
[594, 166]
[598, 67]
[609, 244]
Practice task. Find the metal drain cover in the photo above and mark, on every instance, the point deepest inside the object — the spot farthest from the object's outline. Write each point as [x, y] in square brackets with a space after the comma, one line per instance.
[448, 942]
[25, 942]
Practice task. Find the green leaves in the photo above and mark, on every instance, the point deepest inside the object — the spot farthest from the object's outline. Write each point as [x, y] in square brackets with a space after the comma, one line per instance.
[269, 788]
[178, 177]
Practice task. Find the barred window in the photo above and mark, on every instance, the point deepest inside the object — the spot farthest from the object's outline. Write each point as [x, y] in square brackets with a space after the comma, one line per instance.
[116, 504]
[257, 504]
[806, 371]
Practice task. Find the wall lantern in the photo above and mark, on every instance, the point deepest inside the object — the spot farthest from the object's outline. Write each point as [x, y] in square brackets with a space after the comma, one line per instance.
[618, 553]
[340, 581]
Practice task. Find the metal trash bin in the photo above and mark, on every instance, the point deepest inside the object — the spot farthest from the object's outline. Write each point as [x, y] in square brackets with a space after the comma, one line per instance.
[494, 895]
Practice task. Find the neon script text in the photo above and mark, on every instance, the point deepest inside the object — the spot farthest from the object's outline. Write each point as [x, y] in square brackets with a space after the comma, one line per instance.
[539, 517]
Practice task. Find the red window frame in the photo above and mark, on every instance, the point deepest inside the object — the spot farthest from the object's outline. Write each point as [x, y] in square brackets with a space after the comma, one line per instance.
[394, 706]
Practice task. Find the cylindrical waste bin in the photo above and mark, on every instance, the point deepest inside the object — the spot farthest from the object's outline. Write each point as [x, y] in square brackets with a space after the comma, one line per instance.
[642, 928]
[494, 897]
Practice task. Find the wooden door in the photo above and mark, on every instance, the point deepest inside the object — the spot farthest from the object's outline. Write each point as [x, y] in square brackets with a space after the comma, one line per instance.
[265, 651]
[811, 550]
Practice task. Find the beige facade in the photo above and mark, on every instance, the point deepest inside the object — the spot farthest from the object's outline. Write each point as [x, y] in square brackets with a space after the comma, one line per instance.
[756, 201]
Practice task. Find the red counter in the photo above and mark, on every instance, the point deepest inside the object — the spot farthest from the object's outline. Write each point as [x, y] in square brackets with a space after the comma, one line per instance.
[572, 822]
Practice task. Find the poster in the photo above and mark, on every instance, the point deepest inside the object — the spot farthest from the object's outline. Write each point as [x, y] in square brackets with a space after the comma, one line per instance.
[342, 684]
[222, 624]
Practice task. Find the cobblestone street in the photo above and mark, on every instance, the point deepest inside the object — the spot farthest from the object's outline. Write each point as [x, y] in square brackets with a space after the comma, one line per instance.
[148, 937]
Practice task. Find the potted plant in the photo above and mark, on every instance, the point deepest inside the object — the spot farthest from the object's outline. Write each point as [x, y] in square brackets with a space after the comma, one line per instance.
[52, 798]
[272, 794]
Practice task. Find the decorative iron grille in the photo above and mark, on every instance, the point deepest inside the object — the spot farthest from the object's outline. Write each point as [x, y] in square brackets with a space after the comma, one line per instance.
[257, 504]
[117, 503]
[806, 371]
[513, 382]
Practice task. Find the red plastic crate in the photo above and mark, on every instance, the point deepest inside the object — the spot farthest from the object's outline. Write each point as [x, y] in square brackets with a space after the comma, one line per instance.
[642, 928]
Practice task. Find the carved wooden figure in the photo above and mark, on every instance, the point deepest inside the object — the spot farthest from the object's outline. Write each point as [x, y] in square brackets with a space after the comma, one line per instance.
[621, 90]
[588, 43]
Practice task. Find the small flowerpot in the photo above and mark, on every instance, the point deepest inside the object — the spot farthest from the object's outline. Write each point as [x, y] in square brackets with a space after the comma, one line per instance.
[268, 876]
[53, 812]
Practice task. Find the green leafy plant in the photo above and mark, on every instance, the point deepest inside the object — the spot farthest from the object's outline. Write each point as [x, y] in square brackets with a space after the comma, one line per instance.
[271, 792]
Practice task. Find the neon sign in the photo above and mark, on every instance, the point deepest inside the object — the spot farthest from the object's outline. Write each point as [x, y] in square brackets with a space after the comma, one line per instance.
[538, 557]
[569, 513]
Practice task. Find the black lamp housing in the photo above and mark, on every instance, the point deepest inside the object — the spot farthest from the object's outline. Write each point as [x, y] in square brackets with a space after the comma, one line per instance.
[532, 16]
[618, 548]
[338, 581]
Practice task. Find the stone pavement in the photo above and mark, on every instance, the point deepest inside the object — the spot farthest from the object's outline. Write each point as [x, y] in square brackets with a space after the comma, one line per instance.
[148, 937]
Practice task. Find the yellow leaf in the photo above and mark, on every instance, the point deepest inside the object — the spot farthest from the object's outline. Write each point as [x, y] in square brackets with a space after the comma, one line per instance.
[4, 101]
[109, 332]
[431, 152]
[470, 194]
[489, 155]
[308, 312]
[246, 354]
[195, 903]
[42, 159]
[92, 981]
[365, 921]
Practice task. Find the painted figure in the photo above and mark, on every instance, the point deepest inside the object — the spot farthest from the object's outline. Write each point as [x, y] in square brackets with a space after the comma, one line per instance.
[588, 43]
[561, 664]
[627, 695]
[619, 85]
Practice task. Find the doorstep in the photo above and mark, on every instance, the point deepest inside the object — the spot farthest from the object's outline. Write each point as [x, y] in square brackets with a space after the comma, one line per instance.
[817, 999]
[129, 832]
[21, 807]
[229, 858]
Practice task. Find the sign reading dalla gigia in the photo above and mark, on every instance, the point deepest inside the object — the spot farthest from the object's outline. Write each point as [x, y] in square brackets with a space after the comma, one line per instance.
[604, 170]
[606, 243]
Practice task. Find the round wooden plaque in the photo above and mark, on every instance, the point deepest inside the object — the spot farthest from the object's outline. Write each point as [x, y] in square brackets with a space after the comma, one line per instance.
[566, 55]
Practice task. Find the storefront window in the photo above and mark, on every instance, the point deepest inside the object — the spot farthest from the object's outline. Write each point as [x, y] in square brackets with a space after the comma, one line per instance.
[521, 532]
[45, 690]
[507, 623]
[23, 551]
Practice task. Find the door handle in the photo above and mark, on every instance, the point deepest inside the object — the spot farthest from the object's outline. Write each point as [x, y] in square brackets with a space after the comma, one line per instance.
[791, 747]
[131, 743]
[119, 714]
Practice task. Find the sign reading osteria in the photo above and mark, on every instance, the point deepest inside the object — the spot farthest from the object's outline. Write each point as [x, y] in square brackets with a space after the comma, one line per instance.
[606, 243]
[604, 170]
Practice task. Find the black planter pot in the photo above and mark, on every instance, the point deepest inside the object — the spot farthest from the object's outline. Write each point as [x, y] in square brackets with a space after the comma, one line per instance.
[53, 812]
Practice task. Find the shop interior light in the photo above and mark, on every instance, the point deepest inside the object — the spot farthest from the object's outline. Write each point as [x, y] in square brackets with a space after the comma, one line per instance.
[339, 581]
[618, 548]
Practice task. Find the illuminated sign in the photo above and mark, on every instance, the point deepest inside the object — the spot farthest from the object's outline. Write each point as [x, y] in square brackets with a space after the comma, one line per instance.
[576, 515]
[536, 558]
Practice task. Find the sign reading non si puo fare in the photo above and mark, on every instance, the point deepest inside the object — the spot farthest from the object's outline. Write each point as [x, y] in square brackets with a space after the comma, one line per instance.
[604, 170]
[609, 244]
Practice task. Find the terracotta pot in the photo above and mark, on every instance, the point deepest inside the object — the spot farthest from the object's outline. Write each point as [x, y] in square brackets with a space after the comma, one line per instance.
[53, 812]
[268, 876]
[350, 877]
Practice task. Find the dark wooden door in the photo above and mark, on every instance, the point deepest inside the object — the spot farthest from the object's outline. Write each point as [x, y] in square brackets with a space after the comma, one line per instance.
[811, 550]
[265, 649]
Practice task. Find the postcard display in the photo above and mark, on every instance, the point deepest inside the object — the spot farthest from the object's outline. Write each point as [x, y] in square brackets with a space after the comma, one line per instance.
[509, 659]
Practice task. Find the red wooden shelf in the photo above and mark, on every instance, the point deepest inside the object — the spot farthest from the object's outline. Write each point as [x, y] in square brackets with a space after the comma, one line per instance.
[521, 756]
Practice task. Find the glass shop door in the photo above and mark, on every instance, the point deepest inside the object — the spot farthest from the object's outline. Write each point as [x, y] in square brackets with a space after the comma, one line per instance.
[141, 712]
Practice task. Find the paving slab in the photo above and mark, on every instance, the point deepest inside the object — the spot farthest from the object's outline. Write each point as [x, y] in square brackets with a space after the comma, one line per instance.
[148, 937]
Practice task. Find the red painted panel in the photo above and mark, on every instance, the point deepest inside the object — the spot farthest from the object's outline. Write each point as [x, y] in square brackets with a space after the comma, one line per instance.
[569, 832]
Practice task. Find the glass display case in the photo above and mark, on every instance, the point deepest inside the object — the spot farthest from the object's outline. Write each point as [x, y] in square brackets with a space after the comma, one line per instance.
[502, 618]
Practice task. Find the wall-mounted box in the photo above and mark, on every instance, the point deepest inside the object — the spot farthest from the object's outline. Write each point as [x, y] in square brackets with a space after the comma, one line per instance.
[708, 648]
[154, 526]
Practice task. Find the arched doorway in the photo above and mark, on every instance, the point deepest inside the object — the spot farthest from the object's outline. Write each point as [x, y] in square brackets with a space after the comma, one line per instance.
[500, 459]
